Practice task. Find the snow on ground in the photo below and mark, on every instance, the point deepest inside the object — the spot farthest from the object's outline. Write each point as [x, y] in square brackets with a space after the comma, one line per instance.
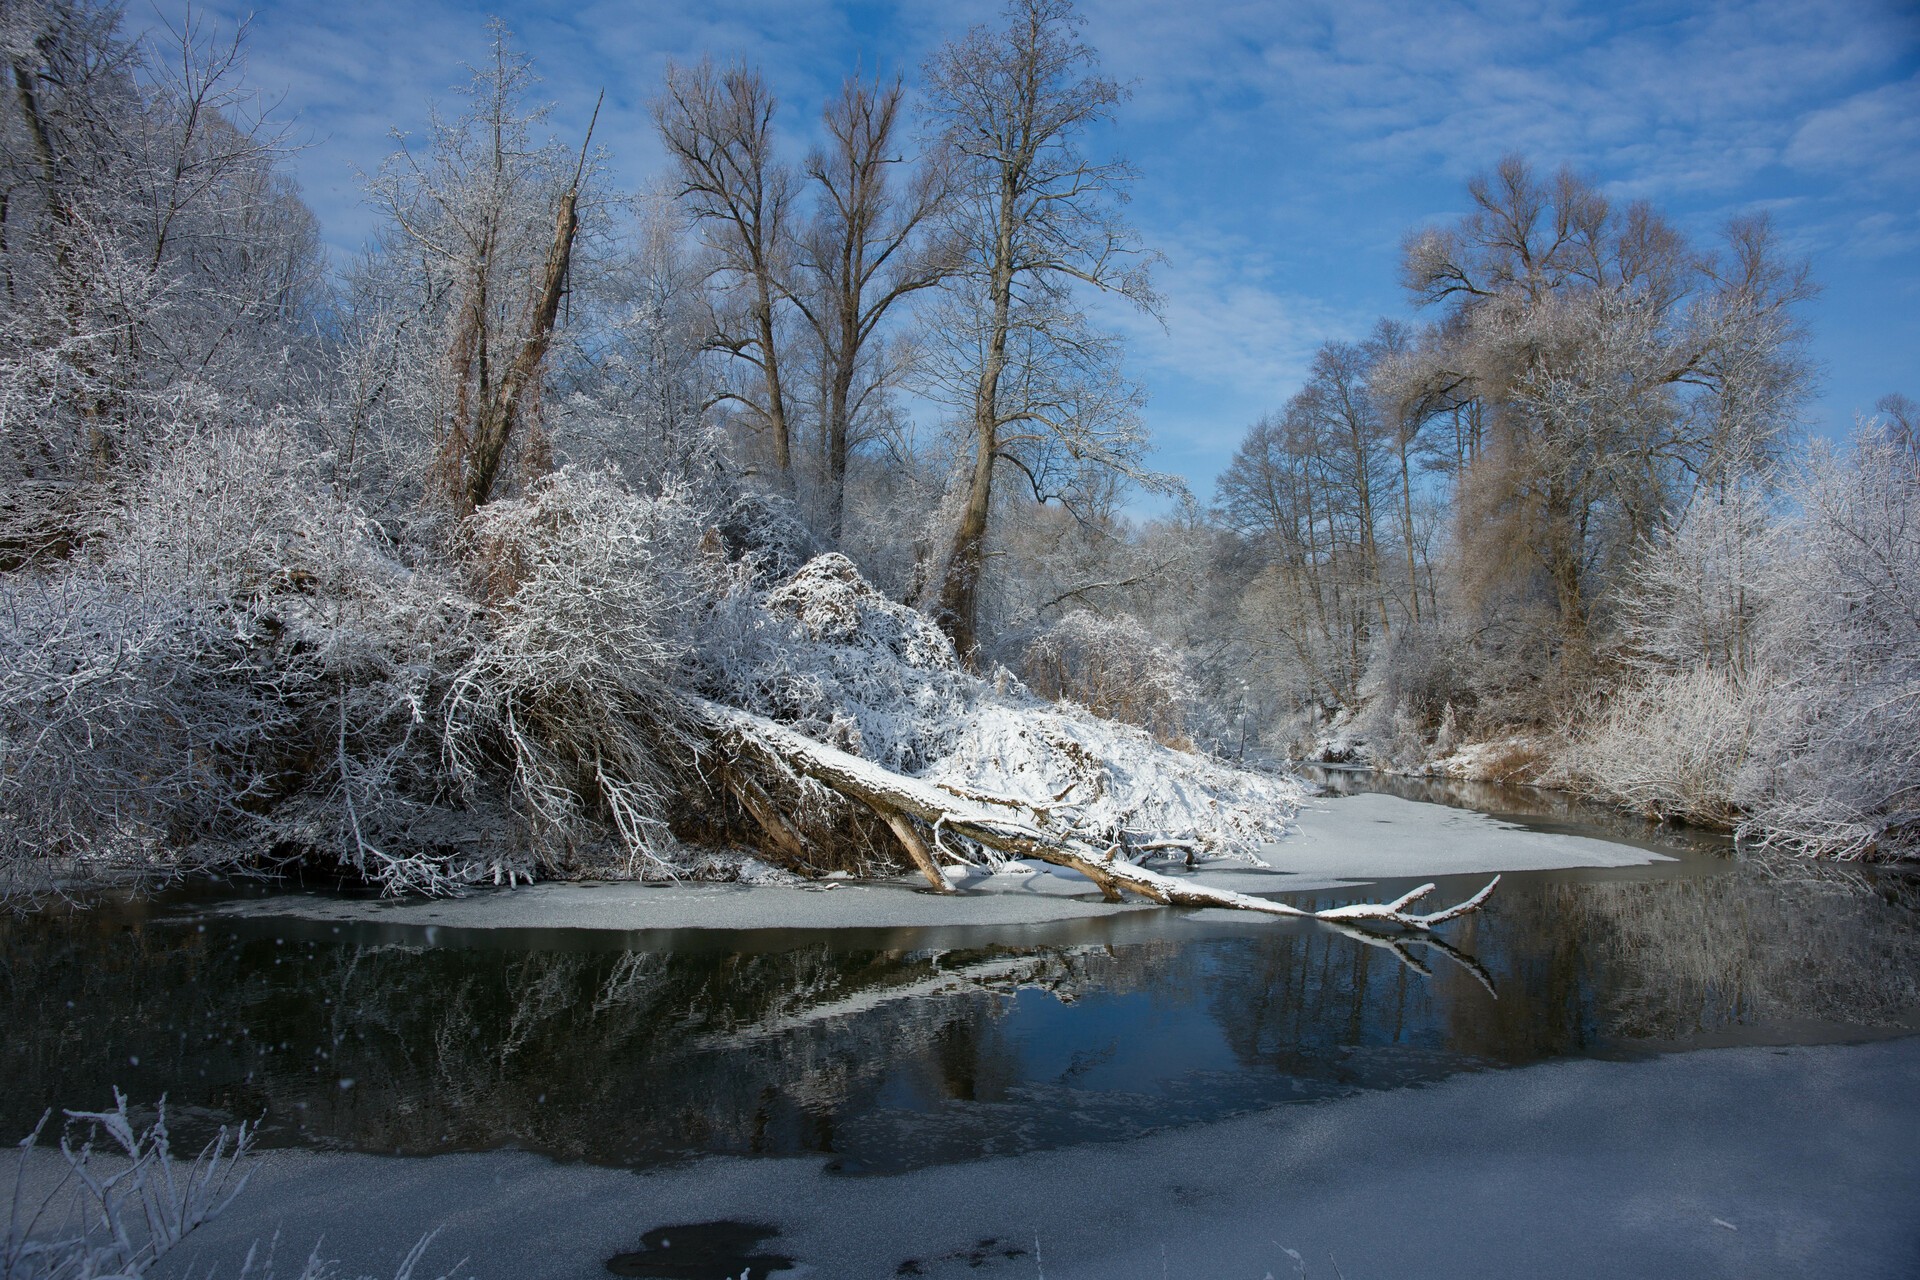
[1723, 1163]
[1377, 837]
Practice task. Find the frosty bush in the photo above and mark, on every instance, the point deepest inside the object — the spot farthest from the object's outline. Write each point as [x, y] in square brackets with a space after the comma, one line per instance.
[1419, 670]
[569, 702]
[1842, 648]
[234, 667]
[829, 655]
[152, 681]
[1779, 684]
[118, 727]
[1675, 746]
[122, 1201]
[1114, 668]
[1695, 595]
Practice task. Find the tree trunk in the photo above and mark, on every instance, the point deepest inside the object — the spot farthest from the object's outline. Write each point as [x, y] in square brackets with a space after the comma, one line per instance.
[770, 367]
[839, 392]
[895, 797]
[501, 412]
[1564, 555]
[958, 602]
[1406, 514]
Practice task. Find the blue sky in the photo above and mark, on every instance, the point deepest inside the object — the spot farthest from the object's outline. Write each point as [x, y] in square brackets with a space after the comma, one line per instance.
[1284, 148]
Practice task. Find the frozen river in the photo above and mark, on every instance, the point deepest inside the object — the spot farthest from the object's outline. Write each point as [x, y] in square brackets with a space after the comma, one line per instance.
[1121, 1083]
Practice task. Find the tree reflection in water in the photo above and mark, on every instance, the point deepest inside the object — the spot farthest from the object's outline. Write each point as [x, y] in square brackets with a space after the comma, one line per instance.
[895, 1051]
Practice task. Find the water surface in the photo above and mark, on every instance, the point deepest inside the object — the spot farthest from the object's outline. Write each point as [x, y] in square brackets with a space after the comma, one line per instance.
[889, 1049]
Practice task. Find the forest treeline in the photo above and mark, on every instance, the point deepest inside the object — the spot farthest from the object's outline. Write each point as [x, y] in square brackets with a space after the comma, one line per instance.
[414, 561]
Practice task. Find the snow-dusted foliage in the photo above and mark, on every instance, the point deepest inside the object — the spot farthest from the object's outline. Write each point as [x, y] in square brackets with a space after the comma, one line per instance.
[826, 653]
[170, 686]
[1114, 667]
[1676, 744]
[1695, 595]
[122, 1201]
[569, 702]
[1842, 652]
[156, 259]
[1779, 684]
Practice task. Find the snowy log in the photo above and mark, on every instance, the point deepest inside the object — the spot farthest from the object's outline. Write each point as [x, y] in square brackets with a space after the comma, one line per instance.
[896, 798]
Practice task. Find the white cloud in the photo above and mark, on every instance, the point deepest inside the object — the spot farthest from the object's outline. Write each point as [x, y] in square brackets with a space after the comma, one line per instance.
[1874, 135]
[1285, 147]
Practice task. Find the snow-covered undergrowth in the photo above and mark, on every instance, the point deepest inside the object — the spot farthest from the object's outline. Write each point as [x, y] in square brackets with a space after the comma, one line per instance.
[118, 1200]
[231, 657]
[1113, 782]
[241, 667]
[827, 654]
[1777, 687]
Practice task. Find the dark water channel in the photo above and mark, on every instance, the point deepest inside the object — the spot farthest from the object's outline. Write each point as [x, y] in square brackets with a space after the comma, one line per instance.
[896, 1048]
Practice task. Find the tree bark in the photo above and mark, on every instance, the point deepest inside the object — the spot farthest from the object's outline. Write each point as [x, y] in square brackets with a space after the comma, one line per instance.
[891, 795]
[958, 611]
[501, 413]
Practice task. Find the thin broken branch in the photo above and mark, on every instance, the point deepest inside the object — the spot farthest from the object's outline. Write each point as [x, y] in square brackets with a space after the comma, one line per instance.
[892, 795]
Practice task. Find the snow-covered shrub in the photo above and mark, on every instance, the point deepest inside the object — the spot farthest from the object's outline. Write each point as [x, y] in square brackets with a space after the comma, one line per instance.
[1674, 745]
[764, 532]
[1841, 653]
[569, 704]
[1695, 594]
[1779, 667]
[123, 1201]
[829, 655]
[1113, 667]
[1113, 782]
[115, 716]
[122, 1220]
[232, 636]
[1418, 670]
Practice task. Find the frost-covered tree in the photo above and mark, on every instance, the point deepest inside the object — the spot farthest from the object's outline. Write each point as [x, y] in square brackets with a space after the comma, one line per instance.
[1841, 652]
[1323, 496]
[1038, 389]
[1776, 680]
[156, 263]
[1617, 370]
[481, 231]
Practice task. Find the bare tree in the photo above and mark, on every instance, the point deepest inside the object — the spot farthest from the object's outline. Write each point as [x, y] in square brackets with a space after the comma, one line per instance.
[1900, 422]
[1616, 369]
[867, 248]
[718, 129]
[1036, 216]
[484, 209]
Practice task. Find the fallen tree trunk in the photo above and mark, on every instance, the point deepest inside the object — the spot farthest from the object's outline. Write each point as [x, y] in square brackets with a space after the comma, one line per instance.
[896, 798]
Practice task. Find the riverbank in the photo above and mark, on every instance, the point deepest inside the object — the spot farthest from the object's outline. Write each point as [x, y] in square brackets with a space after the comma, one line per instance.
[1731, 1162]
[1337, 843]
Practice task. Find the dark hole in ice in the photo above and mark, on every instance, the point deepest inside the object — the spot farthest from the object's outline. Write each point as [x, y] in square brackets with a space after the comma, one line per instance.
[723, 1250]
[984, 1253]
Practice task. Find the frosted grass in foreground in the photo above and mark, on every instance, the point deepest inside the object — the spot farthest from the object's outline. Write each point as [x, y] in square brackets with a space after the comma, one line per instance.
[112, 1214]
